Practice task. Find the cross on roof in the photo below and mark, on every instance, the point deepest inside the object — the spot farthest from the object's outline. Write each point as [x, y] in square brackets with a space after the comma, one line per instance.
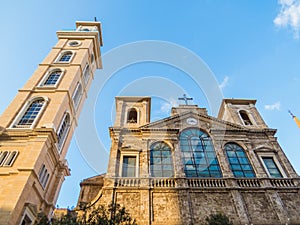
[185, 99]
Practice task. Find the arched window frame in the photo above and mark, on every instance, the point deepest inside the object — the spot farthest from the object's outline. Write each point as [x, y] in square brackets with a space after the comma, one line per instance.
[128, 114]
[245, 122]
[164, 160]
[48, 74]
[74, 43]
[63, 130]
[77, 95]
[3, 157]
[10, 159]
[239, 162]
[62, 54]
[41, 172]
[24, 109]
[86, 73]
[87, 28]
[92, 58]
[43, 176]
[198, 160]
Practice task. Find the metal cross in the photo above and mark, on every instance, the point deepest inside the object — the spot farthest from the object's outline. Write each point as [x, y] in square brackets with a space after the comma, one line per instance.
[185, 99]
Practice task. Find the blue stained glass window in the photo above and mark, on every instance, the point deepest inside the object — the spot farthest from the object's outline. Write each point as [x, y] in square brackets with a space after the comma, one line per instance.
[52, 78]
[161, 164]
[272, 167]
[198, 154]
[31, 112]
[238, 161]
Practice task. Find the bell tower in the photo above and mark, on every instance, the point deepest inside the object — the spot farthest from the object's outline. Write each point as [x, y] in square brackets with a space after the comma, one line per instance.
[36, 128]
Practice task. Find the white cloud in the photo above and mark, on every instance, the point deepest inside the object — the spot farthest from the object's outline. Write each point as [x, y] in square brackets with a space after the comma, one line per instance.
[224, 82]
[166, 106]
[289, 16]
[275, 106]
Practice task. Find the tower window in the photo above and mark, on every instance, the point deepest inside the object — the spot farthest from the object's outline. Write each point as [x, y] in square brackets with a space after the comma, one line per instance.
[198, 154]
[86, 73]
[63, 130]
[7, 158]
[3, 156]
[238, 161]
[11, 158]
[65, 57]
[129, 166]
[161, 164]
[43, 176]
[77, 95]
[74, 43]
[271, 167]
[245, 117]
[132, 116]
[28, 116]
[52, 78]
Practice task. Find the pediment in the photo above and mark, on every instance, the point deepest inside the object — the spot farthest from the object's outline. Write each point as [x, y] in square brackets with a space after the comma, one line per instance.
[192, 119]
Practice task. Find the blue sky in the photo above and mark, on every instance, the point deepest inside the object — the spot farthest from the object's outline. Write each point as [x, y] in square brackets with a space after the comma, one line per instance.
[252, 47]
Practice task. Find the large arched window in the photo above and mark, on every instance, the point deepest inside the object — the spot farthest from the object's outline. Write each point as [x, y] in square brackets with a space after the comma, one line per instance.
[161, 164]
[28, 116]
[245, 117]
[132, 116]
[238, 161]
[198, 154]
[63, 130]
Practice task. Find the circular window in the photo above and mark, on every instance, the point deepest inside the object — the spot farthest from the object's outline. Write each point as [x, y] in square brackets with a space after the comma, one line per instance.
[74, 43]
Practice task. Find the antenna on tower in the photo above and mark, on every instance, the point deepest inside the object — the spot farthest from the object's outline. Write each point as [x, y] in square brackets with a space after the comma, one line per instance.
[95, 18]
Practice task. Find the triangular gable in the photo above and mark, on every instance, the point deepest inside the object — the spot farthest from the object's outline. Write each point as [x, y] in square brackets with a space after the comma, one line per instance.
[172, 122]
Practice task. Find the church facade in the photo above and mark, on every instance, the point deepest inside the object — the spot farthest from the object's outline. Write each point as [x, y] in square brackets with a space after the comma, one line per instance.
[180, 169]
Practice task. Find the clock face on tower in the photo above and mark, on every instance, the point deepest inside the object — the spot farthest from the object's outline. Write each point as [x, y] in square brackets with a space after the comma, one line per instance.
[191, 121]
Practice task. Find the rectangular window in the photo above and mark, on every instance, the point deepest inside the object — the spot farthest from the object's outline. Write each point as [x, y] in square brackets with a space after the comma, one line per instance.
[271, 167]
[129, 166]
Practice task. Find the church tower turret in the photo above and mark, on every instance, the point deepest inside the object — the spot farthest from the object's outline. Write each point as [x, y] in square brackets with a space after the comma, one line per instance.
[38, 125]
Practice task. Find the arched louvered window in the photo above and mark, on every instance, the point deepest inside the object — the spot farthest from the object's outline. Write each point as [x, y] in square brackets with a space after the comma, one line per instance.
[41, 173]
[198, 154]
[245, 117]
[161, 163]
[30, 114]
[86, 73]
[77, 95]
[132, 116]
[63, 130]
[3, 156]
[11, 158]
[43, 176]
[238, 160]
